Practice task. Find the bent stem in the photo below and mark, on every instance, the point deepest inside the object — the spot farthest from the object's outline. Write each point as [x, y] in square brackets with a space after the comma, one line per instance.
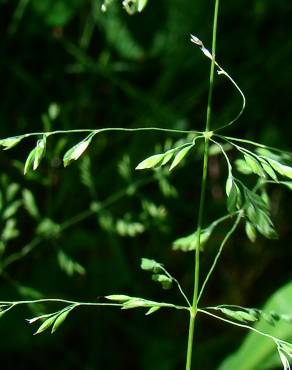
[225, 240]
[194, 308]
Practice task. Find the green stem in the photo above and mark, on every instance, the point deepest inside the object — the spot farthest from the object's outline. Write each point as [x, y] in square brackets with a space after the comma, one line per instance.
[227, 236]
[106, 129]
[237, 324]
[77, 303]
[231, 139]
[194, 309]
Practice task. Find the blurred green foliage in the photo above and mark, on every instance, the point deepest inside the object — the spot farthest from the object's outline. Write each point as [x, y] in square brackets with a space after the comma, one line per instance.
[80, 232]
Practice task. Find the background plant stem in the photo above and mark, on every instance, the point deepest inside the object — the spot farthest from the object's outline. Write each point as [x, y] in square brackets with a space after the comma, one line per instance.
[194, 309]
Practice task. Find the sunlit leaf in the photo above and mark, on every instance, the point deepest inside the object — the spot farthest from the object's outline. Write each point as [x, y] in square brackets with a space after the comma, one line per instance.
[118, 297]
[29, 203]
[250, 232]
[191, 242]
[269, 170]
[150, 265]
[76, 151]
[150, 162]
[60, 319]
[152, 310]
[167, 157]
[247, 315]
[164, 280]
[10, 142]
[229, 184]
[179, 156]
[254, 165]
[46, 324]
[141, 5]
[233, 198]
[282, 169]
[243, 167]
[39, 152]
[29, 161]
[265, 226]
[136, 303]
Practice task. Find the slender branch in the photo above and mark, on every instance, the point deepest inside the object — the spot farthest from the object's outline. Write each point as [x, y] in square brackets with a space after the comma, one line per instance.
[106, 129]
[237, 324]
[263, 146]
[227, 236]
[223, 218]
[194, 309]
[239, 148]
[76, 303]
[27, 249]
[178, 285]
[18, 255]
[223, 72]
[224, 153]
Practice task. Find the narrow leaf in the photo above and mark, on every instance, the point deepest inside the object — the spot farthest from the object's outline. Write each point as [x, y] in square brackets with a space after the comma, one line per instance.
[29, 203]
[250, 232]
[141, 5]
[29, 161]
[229, 184]
[76, 151]
[238, 315]
[243, 167]
[60, 319]
[254, 165]
[150, 162]
[265, 226]
[118, 297]
[10, 142]
[233, 199]
[282, 169]
[179, 156]
[135, 303]
[39, 152]
[152, 310]
[269, 170]
[167, 157]
[46, 324]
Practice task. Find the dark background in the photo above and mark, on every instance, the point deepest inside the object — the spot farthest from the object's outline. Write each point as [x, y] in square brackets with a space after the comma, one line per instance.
[115, 70]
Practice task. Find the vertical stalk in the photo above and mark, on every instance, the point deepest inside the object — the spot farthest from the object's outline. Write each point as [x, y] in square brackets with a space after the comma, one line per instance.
[194, 309]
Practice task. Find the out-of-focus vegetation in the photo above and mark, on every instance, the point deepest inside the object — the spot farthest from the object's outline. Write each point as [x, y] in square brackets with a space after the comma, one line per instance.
[80, 233]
